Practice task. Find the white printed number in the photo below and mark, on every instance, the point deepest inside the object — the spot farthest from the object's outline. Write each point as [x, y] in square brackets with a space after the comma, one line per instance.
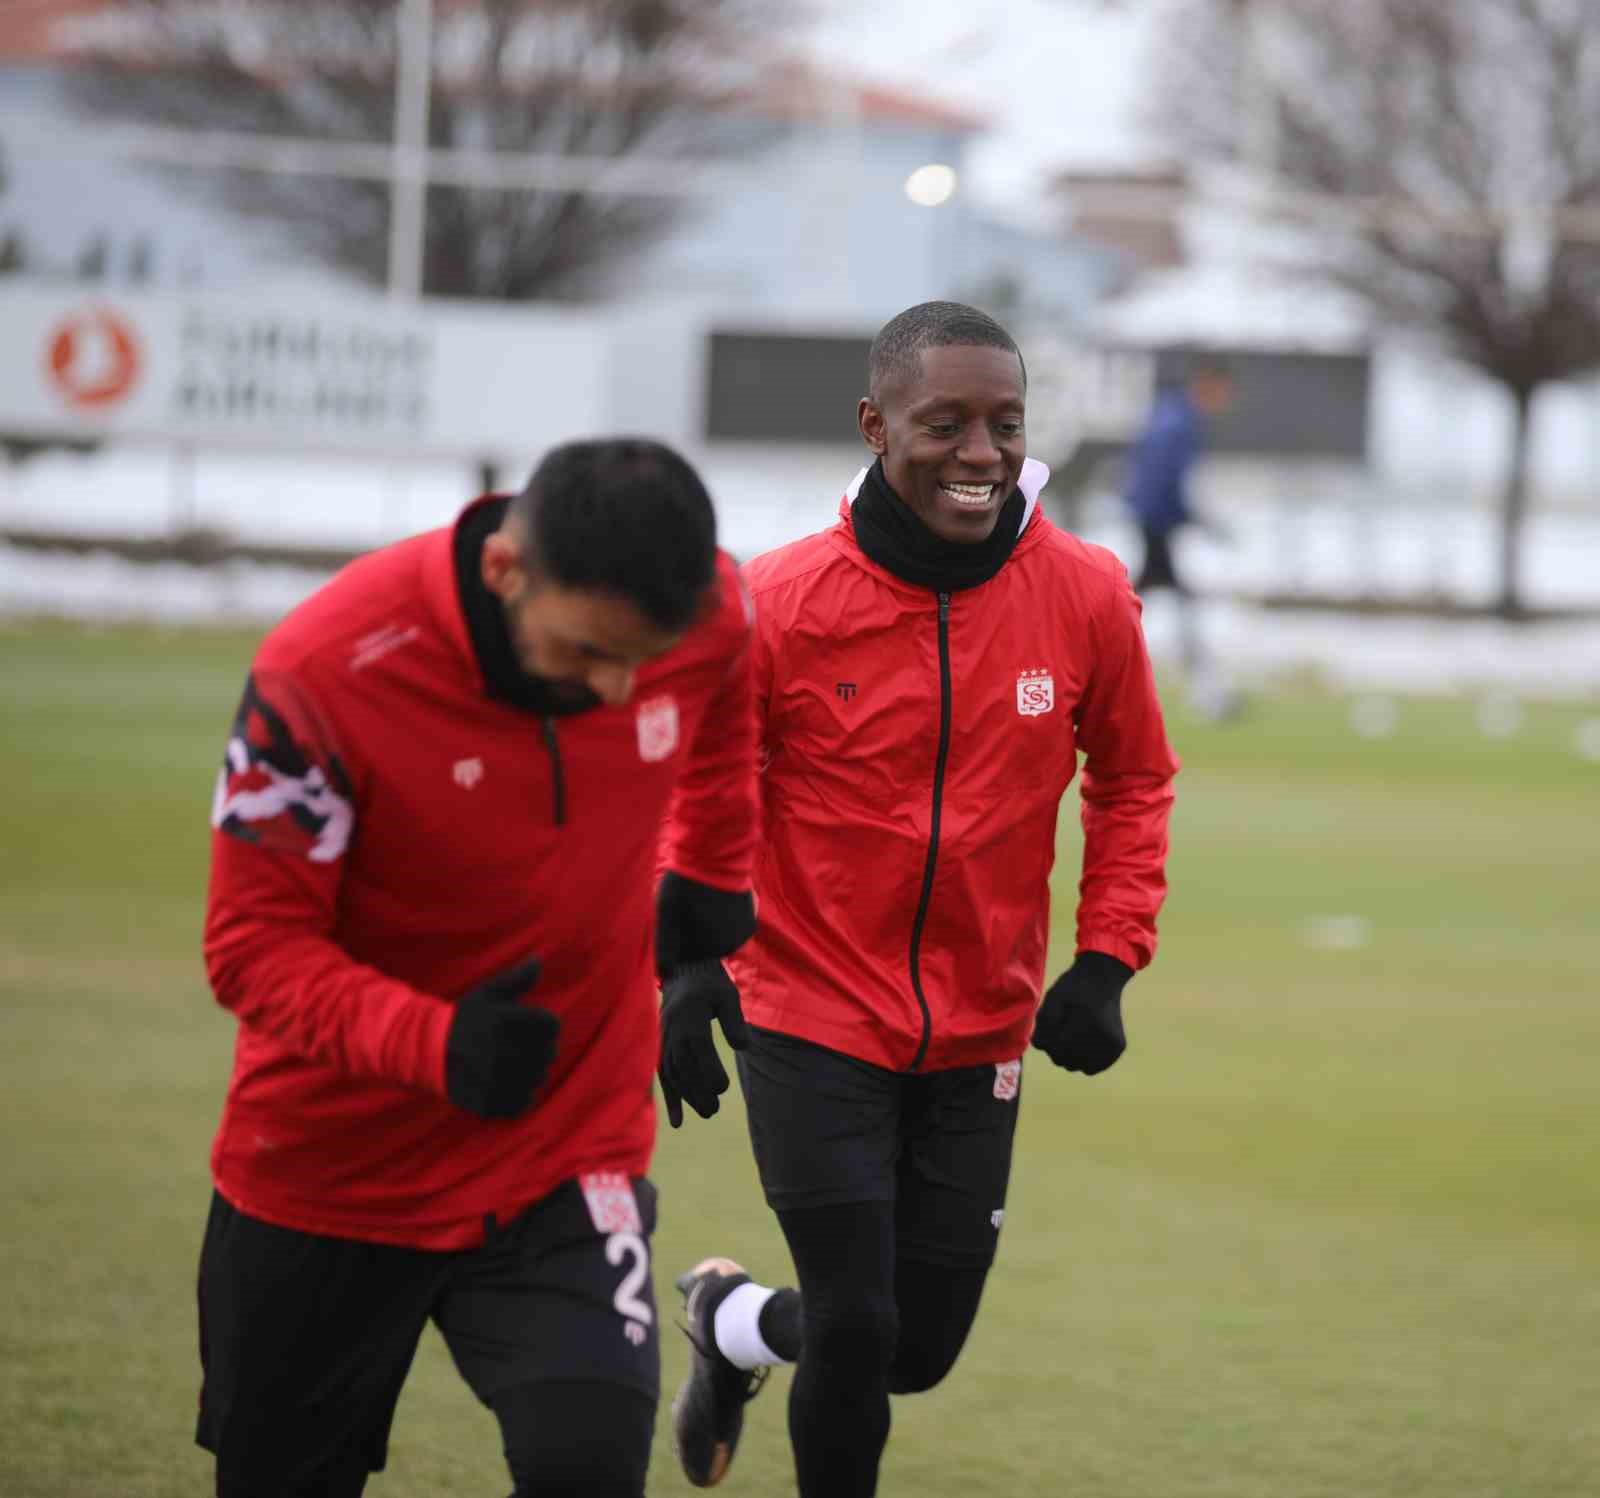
[636, 1312]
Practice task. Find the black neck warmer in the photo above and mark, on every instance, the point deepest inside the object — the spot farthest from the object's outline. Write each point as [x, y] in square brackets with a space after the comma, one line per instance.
[503, 675]
[897, 540]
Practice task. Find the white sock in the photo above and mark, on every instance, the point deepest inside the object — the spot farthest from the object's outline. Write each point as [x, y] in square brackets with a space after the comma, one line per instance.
[737, 1325]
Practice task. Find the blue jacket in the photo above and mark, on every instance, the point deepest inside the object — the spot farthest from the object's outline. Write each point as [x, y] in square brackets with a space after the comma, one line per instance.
[1159, 464]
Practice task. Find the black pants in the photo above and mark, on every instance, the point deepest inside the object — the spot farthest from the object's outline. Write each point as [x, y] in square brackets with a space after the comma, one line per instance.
[891, 1191]
[305, 1342]
[1160, 569]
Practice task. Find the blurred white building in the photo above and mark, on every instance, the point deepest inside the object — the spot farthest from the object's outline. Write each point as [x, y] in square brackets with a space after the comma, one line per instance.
[846, 199]
[853, 204]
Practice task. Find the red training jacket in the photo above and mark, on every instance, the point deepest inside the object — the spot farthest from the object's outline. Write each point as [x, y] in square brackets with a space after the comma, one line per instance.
[387, 836]
[915, 749]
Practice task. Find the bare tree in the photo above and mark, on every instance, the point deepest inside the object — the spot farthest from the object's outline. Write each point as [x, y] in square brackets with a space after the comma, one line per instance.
[1441, 160]
[592, 78]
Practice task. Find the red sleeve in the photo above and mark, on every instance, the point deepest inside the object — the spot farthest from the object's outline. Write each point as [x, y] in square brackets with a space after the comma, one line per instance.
[1126, 791]
[710, 833]
[283, 819]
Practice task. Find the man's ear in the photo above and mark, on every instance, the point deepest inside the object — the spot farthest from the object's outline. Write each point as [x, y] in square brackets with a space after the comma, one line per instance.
[874, 429]
[501, 566]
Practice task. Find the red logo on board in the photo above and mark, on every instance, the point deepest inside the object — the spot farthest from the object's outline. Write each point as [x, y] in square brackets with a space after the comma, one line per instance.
[94, 358]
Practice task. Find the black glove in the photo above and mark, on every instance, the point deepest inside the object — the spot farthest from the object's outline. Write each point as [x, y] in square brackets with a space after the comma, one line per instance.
[498, 1050]
[1079, 1024]
[691, 1070]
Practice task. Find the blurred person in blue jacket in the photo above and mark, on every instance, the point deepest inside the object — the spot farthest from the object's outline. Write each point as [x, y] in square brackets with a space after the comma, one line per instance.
[1159, 464]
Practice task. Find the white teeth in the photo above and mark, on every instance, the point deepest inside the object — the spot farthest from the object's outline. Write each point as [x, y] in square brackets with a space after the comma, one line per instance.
[969, 494]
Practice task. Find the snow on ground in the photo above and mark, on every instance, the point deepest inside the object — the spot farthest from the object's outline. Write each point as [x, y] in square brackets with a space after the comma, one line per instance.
[1309, 535]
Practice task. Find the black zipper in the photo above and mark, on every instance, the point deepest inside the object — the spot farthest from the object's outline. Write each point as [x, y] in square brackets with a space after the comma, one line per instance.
[933, 831]
[555, 766]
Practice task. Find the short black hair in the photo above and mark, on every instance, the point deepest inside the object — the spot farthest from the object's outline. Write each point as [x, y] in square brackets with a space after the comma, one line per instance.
[896, 351]
[622, 515]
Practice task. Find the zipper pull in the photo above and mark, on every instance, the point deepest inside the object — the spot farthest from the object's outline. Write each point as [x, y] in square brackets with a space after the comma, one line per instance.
[944, 608]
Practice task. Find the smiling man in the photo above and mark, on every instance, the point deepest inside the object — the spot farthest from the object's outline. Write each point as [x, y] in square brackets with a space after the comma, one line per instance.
[435, 896]
[927, 672]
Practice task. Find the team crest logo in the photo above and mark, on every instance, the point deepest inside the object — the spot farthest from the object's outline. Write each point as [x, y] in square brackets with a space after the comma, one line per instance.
[1007, 1079]
[1036, 693]
[658, 729]
[613, 1208]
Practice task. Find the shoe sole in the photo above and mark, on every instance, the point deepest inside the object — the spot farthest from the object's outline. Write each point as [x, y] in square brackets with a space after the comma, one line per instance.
[724, 1267]
[721, 1452]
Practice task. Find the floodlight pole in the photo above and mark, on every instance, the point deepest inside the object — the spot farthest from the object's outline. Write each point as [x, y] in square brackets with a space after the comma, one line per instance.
[408, 181]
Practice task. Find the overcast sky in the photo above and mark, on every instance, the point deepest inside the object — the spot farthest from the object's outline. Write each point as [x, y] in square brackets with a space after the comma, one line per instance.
[1062, 80]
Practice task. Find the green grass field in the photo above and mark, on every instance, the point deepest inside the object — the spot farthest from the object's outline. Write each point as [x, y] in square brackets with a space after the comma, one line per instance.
[1331, 1228]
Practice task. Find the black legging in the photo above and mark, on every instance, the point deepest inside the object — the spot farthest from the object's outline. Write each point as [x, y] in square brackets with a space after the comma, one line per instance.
[874, 1324]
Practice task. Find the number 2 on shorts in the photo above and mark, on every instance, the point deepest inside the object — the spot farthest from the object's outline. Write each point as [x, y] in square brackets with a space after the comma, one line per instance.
[620, 1246]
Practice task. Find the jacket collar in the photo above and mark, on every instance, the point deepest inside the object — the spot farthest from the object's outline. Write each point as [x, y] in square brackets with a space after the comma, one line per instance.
[1031, 482]
[1034, 476]
[439, 590]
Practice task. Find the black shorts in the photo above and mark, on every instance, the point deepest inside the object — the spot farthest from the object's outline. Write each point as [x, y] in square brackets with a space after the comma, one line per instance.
[828, 1129]
[305, 1341]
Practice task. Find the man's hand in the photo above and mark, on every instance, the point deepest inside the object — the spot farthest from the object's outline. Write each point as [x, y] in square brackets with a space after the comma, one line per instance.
[1079, 1025]
[691, 1071]
[498, 1050]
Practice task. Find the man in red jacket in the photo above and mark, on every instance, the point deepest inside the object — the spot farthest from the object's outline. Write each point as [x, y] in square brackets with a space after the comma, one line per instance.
[435, 909]
[927, 672]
